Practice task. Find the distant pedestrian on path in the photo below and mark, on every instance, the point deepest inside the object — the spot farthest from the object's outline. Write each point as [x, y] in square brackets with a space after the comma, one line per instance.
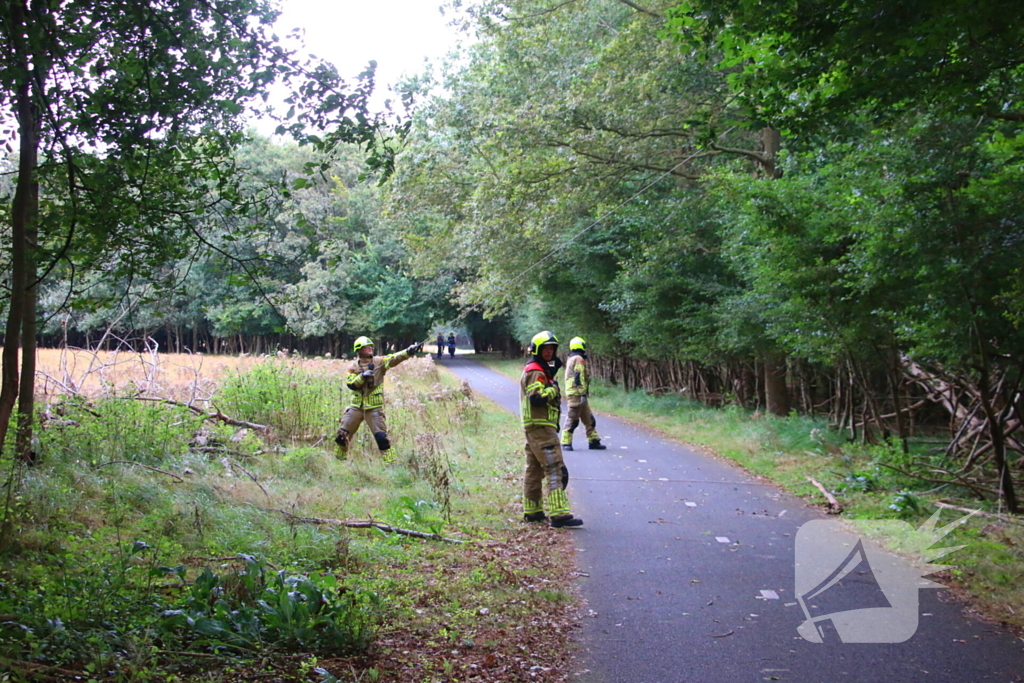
[577, 391]
[540, 410]
[451, 345]
[440, 345]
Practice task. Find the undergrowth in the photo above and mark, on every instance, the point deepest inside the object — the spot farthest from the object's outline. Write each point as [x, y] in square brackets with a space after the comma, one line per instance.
[150, 544]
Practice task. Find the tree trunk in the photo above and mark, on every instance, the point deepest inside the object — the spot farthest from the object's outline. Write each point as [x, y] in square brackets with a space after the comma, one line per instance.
[995, 424]
[24, 209]
[775, 390]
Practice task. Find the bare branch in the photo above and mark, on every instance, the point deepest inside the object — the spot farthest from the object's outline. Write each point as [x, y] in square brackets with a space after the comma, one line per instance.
[366, 524]
[638, 8]
[209, 416]
[139, 464]
[834, 508]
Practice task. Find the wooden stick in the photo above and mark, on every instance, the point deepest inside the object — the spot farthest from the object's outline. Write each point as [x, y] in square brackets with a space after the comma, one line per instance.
[834, 507]
[366, 524]
[981, 513]
[209, 416]
[138, 464]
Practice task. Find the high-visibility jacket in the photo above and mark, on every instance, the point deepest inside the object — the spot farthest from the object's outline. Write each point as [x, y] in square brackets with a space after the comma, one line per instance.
[536, 382]
[368, 393]
[577, 382]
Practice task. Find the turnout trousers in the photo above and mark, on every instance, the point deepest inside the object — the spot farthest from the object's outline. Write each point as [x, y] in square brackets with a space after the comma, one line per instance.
[580, 412]
[375, 420]
[544, 471]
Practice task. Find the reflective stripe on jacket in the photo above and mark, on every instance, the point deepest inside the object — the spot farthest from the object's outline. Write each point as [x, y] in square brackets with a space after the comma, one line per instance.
[369, 393]
[535, 382]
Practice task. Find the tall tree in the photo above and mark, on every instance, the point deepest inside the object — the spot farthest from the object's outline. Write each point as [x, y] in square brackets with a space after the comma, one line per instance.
[125, 113]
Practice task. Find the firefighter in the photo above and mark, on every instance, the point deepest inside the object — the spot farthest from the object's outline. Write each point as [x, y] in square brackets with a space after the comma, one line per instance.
[366, 380]
[577, 389]
[541, 407]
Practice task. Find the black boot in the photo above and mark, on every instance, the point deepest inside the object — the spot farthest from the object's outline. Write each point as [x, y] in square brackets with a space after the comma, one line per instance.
[534, 517]
[560, 521]
[597, 446]
[567, 447]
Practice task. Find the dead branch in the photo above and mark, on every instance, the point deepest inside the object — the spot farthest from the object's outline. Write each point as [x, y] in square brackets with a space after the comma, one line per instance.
[138, 464]
[366, 524]
[234, 465]
[219, 449]
[980, 513]
[834, 507]
[208, 416]
[980, 491]
[907, 409]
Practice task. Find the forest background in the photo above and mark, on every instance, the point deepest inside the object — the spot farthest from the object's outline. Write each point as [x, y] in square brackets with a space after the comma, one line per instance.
[816, 210]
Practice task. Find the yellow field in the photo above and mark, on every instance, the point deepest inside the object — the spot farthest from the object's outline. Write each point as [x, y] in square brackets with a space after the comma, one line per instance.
[181, 377]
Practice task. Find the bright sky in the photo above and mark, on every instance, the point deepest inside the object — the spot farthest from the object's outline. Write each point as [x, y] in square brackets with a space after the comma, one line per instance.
[398, 34]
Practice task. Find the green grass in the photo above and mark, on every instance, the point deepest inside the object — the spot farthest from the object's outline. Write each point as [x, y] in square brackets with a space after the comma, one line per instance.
[139, 511]
[990, 569]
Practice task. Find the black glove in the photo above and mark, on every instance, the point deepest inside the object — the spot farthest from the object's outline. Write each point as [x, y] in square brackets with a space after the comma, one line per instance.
[367, 374]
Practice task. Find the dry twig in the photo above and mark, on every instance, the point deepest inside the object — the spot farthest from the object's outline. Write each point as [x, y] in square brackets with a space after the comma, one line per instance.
[366, 524]
[138, 464]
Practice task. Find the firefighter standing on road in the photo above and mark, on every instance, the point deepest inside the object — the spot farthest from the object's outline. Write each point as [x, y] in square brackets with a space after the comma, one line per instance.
[541, 407]
[577, 389]
[366, 380]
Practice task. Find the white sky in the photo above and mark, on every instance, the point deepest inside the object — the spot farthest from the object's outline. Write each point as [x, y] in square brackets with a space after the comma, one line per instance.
[398, 34]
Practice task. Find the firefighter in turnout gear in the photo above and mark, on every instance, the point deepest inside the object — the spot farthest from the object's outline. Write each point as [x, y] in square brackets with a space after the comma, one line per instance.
[366, 380]
[577, 389]
[541, 408]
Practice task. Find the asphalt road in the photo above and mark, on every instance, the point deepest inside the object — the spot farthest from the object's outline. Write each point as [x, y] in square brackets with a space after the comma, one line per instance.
[688, 570]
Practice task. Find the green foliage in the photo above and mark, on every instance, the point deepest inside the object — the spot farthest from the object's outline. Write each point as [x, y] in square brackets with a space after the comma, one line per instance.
[251, 610]
[814, 63]
[296, 403]
[906, 504]
[118, 428]
[75, 606]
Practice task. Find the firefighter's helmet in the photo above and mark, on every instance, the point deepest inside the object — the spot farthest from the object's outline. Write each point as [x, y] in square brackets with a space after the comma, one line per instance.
[578, 344]
[360, 343]
[542, 339]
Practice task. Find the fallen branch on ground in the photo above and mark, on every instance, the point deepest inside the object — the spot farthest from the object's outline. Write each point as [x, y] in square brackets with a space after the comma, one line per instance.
[366, 524]
[834, 507]
[208, 416]
[234, 465]
[980, 513]
[980, 491]
[138, 464]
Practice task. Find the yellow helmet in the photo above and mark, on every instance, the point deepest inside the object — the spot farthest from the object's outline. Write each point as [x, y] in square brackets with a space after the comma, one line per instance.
[360, 343]
[542, 339]
[578, 344]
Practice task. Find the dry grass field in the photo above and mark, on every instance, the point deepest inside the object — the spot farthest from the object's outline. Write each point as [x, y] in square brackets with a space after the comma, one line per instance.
[189, 378]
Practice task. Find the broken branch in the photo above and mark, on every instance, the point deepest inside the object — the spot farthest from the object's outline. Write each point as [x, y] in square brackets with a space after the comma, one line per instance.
[834, 507]
[366, 524]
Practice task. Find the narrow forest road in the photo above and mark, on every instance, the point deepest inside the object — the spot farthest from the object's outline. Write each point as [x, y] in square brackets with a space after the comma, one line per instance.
[687, 567]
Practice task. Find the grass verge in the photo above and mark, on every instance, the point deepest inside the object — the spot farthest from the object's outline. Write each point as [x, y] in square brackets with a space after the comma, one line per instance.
[988, 573]
[151, 544]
